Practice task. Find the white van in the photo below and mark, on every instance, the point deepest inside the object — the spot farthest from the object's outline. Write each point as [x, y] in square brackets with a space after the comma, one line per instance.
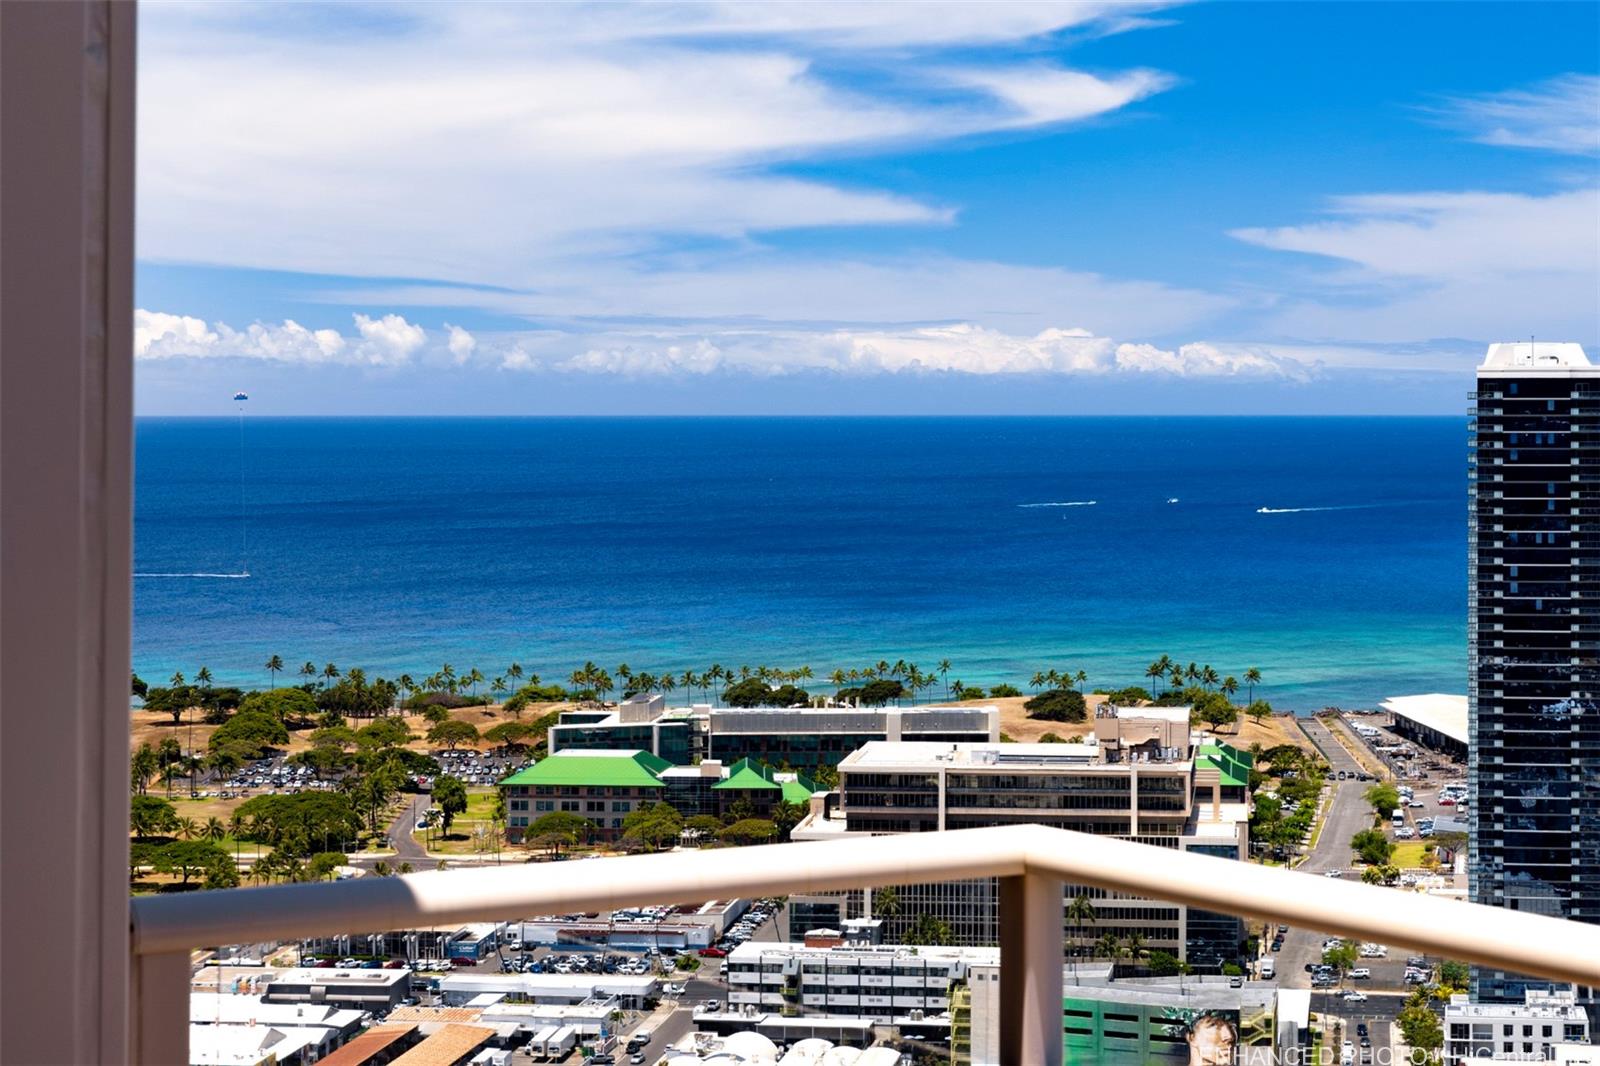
[1269, 969]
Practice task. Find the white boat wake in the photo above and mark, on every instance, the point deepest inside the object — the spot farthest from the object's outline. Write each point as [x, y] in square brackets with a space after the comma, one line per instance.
[1062, 503]
[199, 576]
[1301, 510]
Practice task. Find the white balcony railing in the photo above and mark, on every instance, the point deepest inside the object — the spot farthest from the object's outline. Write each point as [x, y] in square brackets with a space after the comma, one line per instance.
[1032, 862]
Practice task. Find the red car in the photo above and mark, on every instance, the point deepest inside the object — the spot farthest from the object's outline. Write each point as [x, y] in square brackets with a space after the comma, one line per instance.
[713, 953]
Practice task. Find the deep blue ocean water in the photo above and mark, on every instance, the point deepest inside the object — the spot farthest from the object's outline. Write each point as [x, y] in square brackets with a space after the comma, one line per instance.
[399, 544]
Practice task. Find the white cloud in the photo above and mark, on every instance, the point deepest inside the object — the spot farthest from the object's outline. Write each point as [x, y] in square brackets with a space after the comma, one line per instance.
[157, 335]
[1446, 264]
[1044, 95]
[1559, 115]
[515, 140]
[790, 291]
[388, 340]
[961, 348]
[1451, 234]
[461, 344]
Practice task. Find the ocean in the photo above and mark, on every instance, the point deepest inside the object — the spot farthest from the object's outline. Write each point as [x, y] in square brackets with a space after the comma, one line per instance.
[1329, 553]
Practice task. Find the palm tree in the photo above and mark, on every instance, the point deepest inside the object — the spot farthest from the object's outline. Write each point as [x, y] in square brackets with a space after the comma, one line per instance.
[330, 672]
[1177, 677]
[214, 830]
[189, 828]
[1036, 682]
[944, 671]
[497, 686]
[381, 869]
[1208, 676]
[886, 903]
[1157, 671]
[405, 868]
[309, 670]
[1136, 949]
[1108, 946]
[1080, 912]
[144, 763]
[1230, 685]
[666, 683]
[473, 680]
[274, 665]
[1191, 673]
[203, 677]
[514, 672]
[1252, 678]
[1080, 677]
[177, 679]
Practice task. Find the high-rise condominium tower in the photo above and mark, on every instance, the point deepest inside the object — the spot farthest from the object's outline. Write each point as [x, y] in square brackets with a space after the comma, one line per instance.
[1534, 637]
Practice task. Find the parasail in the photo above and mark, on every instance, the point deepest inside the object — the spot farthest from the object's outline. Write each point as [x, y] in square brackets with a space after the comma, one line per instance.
[240, 396]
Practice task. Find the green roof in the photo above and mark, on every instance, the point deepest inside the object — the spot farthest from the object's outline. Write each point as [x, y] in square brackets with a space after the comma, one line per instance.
[745, 774]
[797, 792]
[631, 769]
[1232, 764]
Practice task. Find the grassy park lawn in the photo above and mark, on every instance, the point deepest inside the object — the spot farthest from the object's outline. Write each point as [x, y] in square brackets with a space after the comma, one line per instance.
[461, 839]
[1408, 855]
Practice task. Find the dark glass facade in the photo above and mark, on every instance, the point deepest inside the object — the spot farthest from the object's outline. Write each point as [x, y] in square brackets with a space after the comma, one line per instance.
[1534, 639]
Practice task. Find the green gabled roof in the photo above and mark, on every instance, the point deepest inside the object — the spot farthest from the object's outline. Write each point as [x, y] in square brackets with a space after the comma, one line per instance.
[745, 774]
[630, 769]
[796, 791]
[1232, 764]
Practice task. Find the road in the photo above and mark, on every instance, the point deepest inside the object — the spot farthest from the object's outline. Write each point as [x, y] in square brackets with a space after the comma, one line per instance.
[1347, 814]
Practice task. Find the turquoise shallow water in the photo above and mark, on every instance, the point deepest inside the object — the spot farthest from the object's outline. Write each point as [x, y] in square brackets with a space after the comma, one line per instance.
[1004, 545]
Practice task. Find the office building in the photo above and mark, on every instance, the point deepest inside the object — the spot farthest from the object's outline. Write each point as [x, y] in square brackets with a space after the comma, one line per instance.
[605, 786]
[1138, 775]
[801, 738]
[1534, 634]
[1516, 1032]
[881, 983]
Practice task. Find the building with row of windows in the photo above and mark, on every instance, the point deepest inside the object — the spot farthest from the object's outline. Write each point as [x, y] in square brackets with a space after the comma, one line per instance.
[1138, 774]
[605, 786]
[1515, 1032]
[881, 983]
[1534, 638]
[802, 738]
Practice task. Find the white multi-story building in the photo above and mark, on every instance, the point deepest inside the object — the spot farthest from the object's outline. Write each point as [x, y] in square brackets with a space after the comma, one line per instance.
[881, 983]
[1513, 1032]
[1137, 774]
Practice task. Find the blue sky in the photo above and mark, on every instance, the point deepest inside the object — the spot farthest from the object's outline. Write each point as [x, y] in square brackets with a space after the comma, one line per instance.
[1119, 208]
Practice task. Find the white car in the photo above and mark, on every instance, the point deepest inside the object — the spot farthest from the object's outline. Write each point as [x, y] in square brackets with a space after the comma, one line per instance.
[1353, 996]
[1360, 973]
[1334, 873]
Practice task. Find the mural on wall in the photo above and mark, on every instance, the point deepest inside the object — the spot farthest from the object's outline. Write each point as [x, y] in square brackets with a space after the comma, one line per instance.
[1212, 1036]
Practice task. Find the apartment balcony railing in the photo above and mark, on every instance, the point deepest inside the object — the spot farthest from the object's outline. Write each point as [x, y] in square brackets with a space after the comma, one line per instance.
[1032, 863]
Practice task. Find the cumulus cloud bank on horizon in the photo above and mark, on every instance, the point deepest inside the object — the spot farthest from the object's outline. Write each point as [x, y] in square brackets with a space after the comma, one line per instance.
[961, 348]
[386, 340]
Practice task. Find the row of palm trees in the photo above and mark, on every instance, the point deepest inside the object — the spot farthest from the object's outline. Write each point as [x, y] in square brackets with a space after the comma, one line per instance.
[1166, 672]
[1174, 675]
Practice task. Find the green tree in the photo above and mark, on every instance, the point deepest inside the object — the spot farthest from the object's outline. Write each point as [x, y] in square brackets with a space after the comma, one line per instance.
[509, 735]
[1259, 710]
[928, 930]
[274, 668]
[1419, 1025]
[749, 831]
[1080, 912]
[250, 732]
[1252, 678]
[654, 825]
[886, 903]
[186, 858]
[151, 816]
[143, 764]
[1382, 798]
[1341, 956]
[1374, 848]
[450, 794]
[1058, 705]
[453, 733]
[560, 828]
